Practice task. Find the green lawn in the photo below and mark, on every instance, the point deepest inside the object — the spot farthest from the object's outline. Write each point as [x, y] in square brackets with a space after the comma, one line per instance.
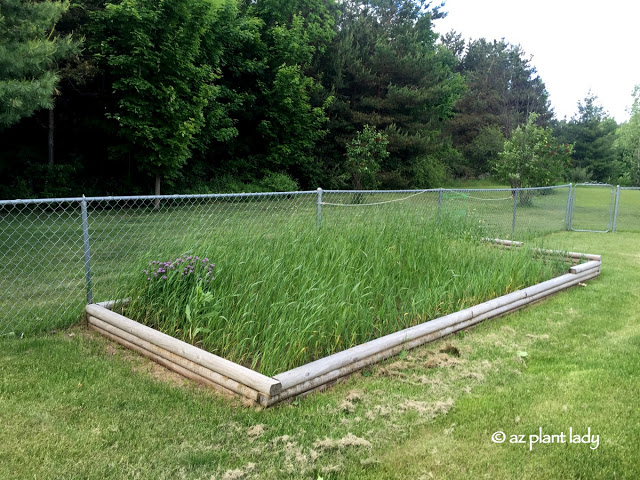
[74, 406]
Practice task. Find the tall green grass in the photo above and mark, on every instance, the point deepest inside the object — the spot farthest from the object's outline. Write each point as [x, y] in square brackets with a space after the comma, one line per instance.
[277, 300]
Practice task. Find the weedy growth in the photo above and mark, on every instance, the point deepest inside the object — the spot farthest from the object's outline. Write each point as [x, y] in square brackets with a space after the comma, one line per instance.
[281, 300]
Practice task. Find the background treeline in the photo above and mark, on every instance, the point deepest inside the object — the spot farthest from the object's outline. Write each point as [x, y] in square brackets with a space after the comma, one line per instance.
[136, 96]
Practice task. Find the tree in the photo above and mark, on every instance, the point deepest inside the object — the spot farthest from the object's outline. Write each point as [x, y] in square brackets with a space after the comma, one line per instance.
[152, 51]
[274, 104]
[385, 70]
[28, 55]
[627, 144]
[503, 89]
[365, 152]
[532, 157]
[592, 132]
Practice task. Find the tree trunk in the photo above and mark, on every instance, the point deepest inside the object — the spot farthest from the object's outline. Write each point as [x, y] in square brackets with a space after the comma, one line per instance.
[50, 157]
[157, 191]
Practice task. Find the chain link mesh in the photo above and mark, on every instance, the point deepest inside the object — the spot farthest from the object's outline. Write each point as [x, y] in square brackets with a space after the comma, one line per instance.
[628, 217]
[42, 268]
[51, 261]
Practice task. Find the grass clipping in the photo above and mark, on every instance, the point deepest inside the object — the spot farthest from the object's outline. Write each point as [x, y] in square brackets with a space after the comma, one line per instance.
[279, 300]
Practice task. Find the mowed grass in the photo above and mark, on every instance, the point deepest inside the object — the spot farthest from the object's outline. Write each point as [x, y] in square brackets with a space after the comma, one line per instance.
[286, 299]
[75, 406]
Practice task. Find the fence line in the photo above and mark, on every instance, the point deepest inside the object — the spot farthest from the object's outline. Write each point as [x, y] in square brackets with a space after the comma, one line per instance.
[58, 254]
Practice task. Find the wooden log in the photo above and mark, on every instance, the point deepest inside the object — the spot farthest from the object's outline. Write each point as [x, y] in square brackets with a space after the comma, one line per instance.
[484, 310]
[158, 352]
[109, 304]
[168, 364]
[585, 266]
[575, 255]
[240, 374]
[500, 241]
[348, 369]
[354, 354]
[537, 296]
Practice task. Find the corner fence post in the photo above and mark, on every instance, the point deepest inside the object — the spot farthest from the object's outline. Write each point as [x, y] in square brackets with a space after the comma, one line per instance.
[515, 207]
[439, 203]
[319, 208]
[615, 210]
[87, 254]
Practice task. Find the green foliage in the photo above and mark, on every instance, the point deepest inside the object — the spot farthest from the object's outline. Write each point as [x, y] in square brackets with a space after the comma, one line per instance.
[627, 144]
[532, 157]
[364, 154]
[162, 84]
[289, 298]
[579, 175]
[385, 70]
[503, 88]
[29, 52]
[218, 94]
[278, 182]
[275, 107]
[592, 132]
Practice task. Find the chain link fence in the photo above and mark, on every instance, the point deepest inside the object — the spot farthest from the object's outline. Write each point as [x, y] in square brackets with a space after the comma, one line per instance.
[627, 210]
[58, 254]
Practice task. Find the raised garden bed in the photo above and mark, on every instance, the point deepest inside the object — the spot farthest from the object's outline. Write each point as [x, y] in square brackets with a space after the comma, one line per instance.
[207, 368]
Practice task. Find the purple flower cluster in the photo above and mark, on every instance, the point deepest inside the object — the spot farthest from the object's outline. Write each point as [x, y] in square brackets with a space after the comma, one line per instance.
[187, 265]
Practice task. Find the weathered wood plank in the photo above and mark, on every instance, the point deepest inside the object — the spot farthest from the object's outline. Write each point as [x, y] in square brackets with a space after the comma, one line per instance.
[145, 347]
[240, 374]
[484, 310]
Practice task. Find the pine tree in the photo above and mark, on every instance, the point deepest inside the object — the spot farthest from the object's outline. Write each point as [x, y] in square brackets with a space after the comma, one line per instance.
[503, 90]
[386, 71]
[29, 52]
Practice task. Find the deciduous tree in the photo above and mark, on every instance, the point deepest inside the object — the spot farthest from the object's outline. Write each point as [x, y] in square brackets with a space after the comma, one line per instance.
[152, 52]
[532, 157]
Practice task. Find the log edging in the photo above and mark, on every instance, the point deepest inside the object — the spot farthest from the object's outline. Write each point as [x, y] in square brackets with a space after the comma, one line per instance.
[232, 378]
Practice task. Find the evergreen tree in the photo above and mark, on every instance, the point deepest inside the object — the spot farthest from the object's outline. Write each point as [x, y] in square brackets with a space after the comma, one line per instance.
[28, 55]
[385, 70]
[502, 91]
[592, 132]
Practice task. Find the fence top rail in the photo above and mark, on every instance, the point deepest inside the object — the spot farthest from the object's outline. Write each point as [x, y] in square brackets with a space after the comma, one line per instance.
[594, 185]
[261, 194]
[449, 190]
[151, 197]
[629, 188]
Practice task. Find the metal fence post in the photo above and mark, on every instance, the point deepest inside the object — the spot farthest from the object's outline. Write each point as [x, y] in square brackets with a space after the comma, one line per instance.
[573, 196]
[567, 210]
[319, 208]
[87, 254]
[439, 204]
[515, 207]
[615, 210]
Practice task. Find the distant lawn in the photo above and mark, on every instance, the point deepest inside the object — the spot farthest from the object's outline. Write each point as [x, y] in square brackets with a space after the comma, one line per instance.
[75, 406]
[474, 183]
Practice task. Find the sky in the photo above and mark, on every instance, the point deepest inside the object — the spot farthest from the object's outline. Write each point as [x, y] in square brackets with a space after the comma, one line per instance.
[577, 45]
